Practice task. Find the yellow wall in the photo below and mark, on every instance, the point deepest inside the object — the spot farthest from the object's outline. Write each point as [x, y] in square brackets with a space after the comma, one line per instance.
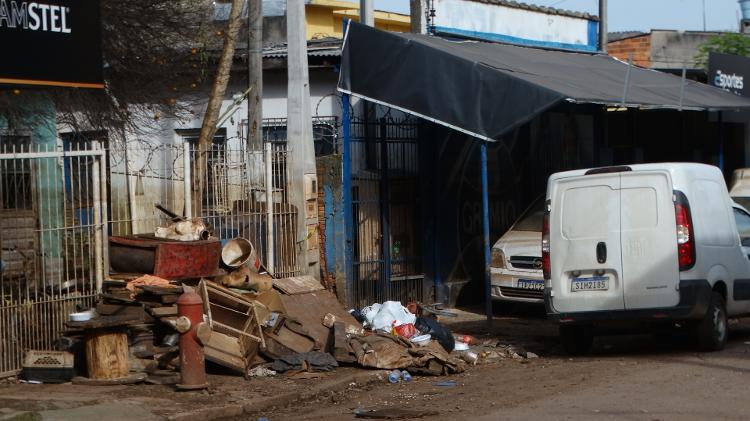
[325, 18]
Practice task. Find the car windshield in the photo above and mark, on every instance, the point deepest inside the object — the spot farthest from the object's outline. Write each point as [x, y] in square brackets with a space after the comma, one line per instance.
[743, 201]
[532, 219]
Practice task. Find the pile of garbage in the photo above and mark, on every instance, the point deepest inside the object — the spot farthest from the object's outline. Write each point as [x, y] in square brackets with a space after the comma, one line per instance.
[182, 294]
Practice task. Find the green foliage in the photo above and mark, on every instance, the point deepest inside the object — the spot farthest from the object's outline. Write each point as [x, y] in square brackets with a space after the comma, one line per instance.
[726, 43]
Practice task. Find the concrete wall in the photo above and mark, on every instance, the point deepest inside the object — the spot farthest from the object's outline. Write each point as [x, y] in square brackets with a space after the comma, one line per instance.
[673, 49]
[517, 25]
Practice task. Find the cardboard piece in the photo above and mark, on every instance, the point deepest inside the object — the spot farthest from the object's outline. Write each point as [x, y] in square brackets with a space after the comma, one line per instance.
[310, 309]
[297, 285]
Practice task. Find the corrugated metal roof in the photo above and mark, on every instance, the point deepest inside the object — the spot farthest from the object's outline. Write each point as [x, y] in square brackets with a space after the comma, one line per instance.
[329, 47]
[541, 9]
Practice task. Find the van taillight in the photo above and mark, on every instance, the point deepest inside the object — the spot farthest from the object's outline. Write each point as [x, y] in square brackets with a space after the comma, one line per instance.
[685, 235]
[545, 243]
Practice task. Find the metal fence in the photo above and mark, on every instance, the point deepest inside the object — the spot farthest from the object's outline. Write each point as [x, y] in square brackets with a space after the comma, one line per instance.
[385, 200]
[234, 201]
[53, 249]
[59, 204]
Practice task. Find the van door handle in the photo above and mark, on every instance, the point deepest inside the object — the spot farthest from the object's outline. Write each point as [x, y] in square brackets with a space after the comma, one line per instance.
[601, 252]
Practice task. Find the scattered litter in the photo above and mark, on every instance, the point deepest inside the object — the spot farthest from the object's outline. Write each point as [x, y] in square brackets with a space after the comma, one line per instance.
[531, 355]
[390, 314]
[446, 383]
[394, 376]
[438, 332]
[261, 372]
[421, 340]
[393, 413]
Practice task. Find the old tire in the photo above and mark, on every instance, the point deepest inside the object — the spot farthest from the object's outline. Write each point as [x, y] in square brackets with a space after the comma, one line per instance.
[576, 339]
[712, 331]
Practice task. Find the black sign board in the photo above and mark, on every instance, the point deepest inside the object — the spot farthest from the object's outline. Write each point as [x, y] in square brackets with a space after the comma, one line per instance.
[51, 43]
[729, 72]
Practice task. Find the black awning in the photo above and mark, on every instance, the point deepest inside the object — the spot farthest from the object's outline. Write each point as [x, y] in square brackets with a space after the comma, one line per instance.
[486, 89]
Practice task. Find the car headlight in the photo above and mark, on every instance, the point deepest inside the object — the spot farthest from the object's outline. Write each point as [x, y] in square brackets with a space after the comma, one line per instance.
[498, 259]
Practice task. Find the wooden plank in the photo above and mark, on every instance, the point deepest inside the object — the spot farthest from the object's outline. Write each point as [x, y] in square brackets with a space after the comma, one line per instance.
[163, 311]
[298, 285]
[225, 350]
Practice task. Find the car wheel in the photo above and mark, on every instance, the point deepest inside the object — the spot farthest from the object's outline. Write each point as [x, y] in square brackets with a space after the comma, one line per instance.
[711, 333]
[576, 339]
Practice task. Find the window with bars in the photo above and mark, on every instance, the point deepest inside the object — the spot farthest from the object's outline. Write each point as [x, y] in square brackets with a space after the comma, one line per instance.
[213, 193]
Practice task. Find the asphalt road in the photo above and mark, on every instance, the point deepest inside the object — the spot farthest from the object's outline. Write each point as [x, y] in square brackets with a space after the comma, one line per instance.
[641, 377]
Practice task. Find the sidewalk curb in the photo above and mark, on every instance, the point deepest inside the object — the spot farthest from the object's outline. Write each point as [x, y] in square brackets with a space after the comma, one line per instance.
[234, 410]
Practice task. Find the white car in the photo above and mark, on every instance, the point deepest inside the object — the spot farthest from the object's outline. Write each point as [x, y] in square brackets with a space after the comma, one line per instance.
[740, 187]
[644, 243]
[516, 266]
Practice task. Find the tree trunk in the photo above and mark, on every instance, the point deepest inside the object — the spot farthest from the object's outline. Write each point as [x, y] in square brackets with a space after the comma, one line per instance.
[208, 129]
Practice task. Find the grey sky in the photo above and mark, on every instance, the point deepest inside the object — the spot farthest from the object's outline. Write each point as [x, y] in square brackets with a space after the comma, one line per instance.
[641, 15]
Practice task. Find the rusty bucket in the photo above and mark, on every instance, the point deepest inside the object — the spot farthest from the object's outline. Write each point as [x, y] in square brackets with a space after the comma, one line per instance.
[238, 252]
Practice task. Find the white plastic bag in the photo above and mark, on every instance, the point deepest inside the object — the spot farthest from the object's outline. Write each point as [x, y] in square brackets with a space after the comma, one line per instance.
[370, 312]
[390, 314]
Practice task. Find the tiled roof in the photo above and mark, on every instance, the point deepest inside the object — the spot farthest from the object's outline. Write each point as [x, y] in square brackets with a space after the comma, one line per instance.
[617, 36]
[542, 9]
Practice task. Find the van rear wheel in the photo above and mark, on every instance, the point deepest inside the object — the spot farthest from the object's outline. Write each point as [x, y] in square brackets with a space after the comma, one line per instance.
[711, 333]
[576, 339]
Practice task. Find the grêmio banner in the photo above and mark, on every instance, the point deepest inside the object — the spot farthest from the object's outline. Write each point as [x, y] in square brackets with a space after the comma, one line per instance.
[51, 43]
[728, 72]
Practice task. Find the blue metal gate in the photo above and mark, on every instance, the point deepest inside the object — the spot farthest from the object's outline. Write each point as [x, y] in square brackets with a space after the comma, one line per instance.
[386, 207]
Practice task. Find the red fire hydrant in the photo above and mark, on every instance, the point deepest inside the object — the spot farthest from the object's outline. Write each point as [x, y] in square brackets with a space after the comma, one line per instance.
[192, 329]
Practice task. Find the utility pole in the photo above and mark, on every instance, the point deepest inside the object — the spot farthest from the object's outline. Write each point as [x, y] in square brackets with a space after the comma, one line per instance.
[417, 16]
[255, 74]
[603, 38]
[301, 158]
[704, 15]
[366, 13]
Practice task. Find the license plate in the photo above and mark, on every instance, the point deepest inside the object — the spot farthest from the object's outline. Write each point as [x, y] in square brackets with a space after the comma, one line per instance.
[594, 283]
[536, 284]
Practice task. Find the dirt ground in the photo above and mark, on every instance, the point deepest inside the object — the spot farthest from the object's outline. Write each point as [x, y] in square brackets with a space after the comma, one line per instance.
[642, 377]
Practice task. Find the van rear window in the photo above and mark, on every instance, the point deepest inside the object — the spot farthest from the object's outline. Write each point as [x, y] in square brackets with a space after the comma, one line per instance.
[588, 212]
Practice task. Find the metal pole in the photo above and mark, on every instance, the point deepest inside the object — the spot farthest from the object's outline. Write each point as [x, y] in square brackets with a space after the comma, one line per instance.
[385, 213]
[603, 36]
[104, 208]
[366, 13]
[346, 182]
[682, 85]
[704, 15]
[721, 140]
[187, 184]
[96, 181]
[486, 233]
[131, 192]
[627, 79]
[255, 75]
[269, 209]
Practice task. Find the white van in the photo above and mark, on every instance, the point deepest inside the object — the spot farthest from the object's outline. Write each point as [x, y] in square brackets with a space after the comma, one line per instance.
[651, 242]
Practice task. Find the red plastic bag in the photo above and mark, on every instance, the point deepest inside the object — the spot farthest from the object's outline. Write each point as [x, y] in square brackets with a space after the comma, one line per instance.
[407, 330]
